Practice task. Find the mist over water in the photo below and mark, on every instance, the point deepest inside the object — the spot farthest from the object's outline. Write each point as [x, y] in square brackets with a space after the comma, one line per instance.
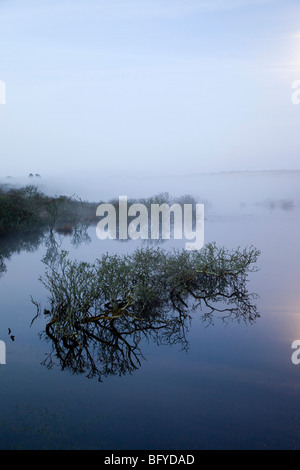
[242, 192]
[236, 387]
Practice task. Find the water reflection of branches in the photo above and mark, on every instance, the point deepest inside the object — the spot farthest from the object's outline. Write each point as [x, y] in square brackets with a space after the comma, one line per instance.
[110, 347]
[53, 240]
[100, 314]
[16, 243]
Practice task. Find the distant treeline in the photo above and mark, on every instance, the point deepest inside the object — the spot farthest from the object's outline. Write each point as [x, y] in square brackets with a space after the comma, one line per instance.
[27, 209]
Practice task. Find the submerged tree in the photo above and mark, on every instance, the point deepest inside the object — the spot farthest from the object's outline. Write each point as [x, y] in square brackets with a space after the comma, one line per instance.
[99, 312]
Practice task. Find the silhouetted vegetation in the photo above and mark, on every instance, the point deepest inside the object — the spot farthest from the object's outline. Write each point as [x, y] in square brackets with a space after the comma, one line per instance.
[28, 217]
[100, 313]
[27, 210]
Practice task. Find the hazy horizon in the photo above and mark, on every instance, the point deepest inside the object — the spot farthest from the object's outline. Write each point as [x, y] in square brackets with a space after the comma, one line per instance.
[238, 193]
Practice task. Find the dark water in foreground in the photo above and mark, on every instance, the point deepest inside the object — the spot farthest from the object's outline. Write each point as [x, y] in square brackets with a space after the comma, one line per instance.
[235, 388]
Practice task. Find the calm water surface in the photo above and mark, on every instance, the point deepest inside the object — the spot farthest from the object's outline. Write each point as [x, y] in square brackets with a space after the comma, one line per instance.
[234, 388]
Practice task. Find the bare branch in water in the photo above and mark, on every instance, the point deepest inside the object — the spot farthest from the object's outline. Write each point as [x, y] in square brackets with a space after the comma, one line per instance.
[99, 312]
